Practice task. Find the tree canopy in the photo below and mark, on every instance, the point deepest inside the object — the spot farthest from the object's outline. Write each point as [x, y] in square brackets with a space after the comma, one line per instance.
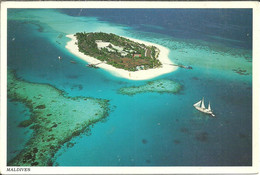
[120, 52]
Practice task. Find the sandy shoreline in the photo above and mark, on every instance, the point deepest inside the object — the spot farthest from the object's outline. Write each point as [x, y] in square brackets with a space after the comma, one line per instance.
[137, 75]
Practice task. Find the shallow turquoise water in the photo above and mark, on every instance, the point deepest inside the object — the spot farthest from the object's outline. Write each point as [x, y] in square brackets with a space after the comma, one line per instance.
[146, 129]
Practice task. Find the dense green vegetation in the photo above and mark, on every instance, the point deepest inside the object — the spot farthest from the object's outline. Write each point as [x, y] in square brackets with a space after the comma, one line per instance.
[119, 52]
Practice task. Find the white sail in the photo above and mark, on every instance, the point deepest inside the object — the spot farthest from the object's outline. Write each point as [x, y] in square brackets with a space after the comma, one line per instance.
[209, 109]
[197, 104]
[201, 107]
[202, 104]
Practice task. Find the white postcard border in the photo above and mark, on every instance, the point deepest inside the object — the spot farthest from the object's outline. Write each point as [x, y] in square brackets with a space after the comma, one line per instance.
[132, 170]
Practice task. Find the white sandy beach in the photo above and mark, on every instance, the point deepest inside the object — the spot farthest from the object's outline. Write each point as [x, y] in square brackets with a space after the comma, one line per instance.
[137, 75]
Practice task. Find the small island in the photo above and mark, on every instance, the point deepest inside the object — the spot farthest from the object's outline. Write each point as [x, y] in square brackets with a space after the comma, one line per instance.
[118, 51]
[124, 57]
[159, 86]
[55, 119]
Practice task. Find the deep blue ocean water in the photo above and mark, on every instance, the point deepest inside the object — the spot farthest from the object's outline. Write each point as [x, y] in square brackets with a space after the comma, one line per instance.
[230, 26]
[147, 129]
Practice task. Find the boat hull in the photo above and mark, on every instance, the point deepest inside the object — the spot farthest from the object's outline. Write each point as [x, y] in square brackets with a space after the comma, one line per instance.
[204, 110]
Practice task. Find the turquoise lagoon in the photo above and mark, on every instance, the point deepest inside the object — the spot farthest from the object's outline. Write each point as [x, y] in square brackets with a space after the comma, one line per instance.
[146, 129]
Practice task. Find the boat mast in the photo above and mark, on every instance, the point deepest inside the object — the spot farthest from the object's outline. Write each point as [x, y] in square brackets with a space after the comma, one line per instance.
[202, 104]
[209, 107]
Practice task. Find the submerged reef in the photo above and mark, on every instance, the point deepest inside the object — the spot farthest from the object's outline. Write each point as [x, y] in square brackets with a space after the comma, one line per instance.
[241, 71]
[202, 136]
[160, 86]
[55, 119]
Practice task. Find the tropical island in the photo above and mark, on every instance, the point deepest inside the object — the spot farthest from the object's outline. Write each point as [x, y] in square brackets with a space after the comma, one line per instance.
[121, 56]
[118, 51]
[55, 119]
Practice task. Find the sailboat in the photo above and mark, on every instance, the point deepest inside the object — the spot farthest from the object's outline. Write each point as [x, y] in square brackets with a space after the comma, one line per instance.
[201, 107]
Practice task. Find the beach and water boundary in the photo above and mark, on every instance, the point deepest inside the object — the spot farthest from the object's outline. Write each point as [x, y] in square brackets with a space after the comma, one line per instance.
[163, 57]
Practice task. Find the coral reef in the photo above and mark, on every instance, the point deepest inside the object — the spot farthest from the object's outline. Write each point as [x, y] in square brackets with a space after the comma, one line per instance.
[159, 86]
[55, 118]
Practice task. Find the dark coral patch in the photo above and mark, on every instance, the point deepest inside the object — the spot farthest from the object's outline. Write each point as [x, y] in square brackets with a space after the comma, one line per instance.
[240, 71]
[54, 126]
[70, 144]
[40, 107]
[144, 141]
[184, 130]
[34, 163]
[25, 123]
[177, 141]
[35, 150]
[195, 78]
[76, 133]
[202, 137]
[28, 156]
[35, 127]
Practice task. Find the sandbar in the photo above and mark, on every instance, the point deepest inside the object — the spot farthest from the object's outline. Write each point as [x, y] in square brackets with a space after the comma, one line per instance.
[166, 67]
